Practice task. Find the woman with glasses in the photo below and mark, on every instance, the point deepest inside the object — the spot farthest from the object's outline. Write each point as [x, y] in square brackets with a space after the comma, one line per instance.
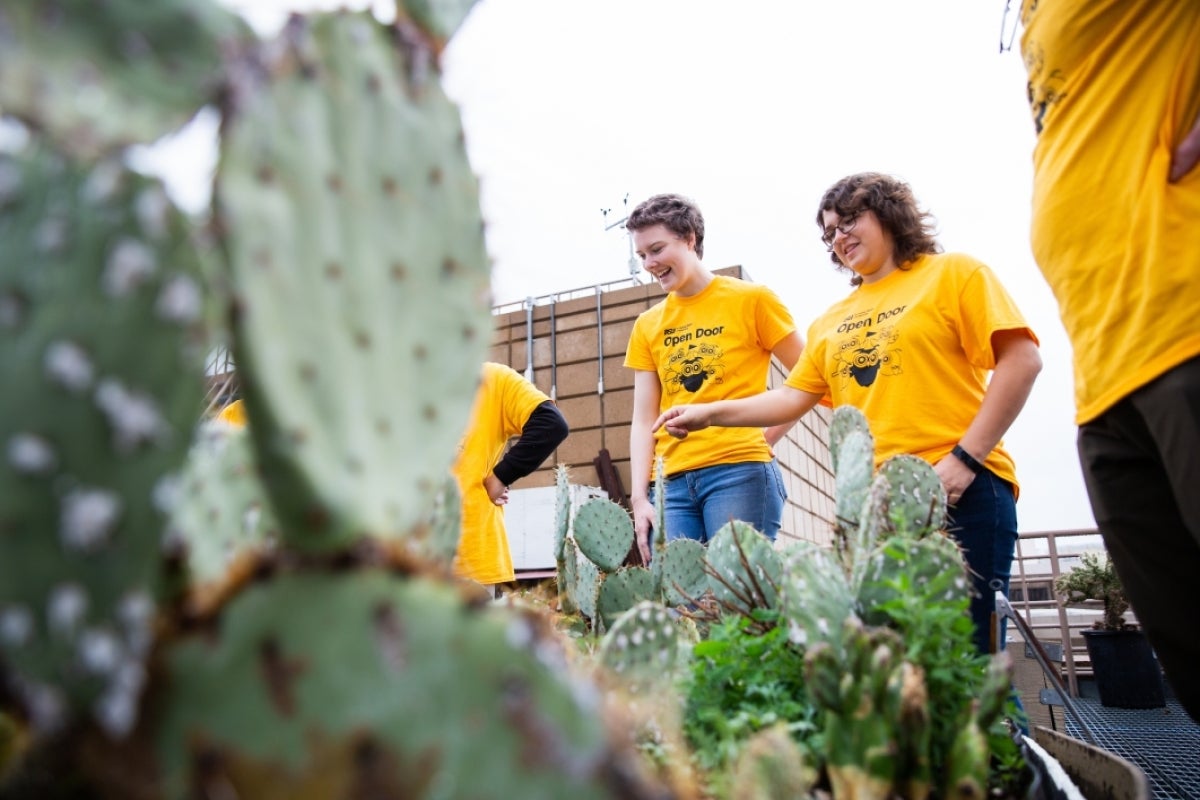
[911, 346]
[711, 338]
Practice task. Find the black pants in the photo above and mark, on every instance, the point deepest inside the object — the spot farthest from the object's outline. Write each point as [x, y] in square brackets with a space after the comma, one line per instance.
[1141, 464]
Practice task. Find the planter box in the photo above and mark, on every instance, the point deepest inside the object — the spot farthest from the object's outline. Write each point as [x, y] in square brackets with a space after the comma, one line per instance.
[1098, 774]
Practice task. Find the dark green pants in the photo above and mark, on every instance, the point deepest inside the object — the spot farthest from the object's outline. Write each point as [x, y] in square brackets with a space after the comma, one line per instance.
[1141, 464]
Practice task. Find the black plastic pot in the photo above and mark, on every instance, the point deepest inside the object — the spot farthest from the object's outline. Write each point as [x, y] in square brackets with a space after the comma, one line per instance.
[1127, 673]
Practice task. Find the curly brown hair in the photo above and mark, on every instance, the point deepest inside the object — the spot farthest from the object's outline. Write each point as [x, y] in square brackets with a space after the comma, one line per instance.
[675, 212]
[893, 203]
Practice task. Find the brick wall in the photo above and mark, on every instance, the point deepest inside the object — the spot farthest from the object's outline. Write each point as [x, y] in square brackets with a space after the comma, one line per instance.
[578, 346]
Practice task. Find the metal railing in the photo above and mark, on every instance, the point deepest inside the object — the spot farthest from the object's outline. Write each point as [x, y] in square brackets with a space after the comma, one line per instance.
[1041, 557]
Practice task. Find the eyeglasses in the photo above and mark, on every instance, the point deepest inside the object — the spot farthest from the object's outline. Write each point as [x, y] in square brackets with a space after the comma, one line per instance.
[1008, 35]
[845, 226]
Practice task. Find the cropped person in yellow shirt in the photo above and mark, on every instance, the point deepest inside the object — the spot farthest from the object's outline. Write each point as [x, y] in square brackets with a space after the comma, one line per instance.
[911, 347]
[711, 338]
[506, 405]
[1114, 87]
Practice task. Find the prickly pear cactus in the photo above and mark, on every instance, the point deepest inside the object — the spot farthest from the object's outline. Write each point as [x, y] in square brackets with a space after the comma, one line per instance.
[917, 500]
[312, 686]
[744, 569]
[772, 766]
[919, 572]
[221, 512]
[562, 510]
[350, 218]
[100, 360]
[621, 591]
[852, 479]
[604, 533]
[683, 579]
[642, 645]
[815, 594]
[97, 76]
[966, 773]
[858, 685]
[844, 421]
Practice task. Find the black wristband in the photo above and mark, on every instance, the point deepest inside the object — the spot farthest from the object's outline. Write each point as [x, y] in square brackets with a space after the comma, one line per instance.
[967, 459]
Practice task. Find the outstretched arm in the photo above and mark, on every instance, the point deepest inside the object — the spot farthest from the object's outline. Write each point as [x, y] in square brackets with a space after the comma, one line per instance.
[1018, 363]
[788, 352]
[782, 406]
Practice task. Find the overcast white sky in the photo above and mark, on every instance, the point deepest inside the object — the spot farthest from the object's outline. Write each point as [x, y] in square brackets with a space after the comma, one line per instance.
[753, 109]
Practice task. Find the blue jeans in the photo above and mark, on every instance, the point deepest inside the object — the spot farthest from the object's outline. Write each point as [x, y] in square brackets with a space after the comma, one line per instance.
[701, 501]
[984, 522]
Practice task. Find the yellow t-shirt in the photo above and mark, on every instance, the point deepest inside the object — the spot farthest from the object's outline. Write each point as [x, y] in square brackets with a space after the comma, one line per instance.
[913, 351]
[503, 404]
[1114, 86]
[715, 345]
[234, 414]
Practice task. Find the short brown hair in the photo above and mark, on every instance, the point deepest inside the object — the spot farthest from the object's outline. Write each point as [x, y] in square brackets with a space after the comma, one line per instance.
[893, 203]
[675, 212]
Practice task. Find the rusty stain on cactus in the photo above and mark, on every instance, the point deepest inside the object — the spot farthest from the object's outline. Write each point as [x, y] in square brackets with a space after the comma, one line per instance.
[362, 340]
[265, 173]
[279, 673]
[399, 271]
[374, 83]
[450, 268]
[420, 352]
[435, 176]
[333, 271]
[390, 187]
[383, 427]
[334, 182]
[308, 372]
[429, 413]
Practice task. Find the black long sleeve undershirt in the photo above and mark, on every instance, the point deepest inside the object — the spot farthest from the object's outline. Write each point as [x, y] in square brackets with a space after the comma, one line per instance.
[545, 430]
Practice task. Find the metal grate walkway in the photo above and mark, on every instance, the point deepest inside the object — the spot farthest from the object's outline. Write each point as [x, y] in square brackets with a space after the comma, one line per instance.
[1164, 742]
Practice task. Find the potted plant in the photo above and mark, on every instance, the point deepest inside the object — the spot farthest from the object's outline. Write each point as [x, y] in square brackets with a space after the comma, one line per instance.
[1126, 670]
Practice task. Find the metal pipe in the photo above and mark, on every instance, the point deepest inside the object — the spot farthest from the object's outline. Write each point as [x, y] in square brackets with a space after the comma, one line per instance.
[553, 356]
[529, 338]
[600, 340]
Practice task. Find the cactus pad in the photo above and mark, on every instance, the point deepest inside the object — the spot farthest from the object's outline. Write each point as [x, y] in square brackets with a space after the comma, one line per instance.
[313, 684]
[917, 500]
[98, 76]
[744, 569]
[100, 362]
[844, 421]
[350, 218]
[642, 644]
[221, 510]
[683, 577]
[621, 591]
[604, 533]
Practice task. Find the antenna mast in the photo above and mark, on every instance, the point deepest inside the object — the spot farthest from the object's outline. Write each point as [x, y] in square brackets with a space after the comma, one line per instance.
[635, 271]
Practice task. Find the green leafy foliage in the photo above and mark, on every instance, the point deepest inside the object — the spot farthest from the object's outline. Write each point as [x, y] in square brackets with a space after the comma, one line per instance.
[743, 681]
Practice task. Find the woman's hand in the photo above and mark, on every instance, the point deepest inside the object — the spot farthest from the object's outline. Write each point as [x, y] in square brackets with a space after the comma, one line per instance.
[680, 420]
[643, 521]
[956, 477]
[497, 491]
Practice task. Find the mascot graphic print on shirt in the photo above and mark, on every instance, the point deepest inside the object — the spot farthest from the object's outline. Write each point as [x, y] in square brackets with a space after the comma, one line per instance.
[693, 365]
[864, 355]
